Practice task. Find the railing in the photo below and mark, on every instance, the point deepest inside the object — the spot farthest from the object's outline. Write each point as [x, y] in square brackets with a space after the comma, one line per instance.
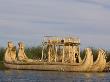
[60, 40]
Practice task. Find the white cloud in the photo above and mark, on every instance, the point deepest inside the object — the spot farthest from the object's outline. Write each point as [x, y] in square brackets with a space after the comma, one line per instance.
[29, 20]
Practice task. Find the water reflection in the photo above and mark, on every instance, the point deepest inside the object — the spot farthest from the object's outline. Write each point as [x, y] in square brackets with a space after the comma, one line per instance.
[51, 76]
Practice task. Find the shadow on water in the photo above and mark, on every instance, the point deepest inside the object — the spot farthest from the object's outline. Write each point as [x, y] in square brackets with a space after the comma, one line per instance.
[51, 76]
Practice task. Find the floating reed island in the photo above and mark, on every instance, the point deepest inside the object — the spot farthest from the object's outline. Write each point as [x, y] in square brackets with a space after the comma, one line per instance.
[58, 54]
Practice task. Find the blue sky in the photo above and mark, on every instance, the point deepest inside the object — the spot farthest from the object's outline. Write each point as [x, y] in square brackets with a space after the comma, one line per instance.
[30, 20]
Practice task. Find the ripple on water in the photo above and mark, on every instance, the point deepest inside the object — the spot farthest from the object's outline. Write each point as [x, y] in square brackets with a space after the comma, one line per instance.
[51, 76]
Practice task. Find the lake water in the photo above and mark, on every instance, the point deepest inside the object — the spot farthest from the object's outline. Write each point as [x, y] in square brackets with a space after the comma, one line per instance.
[51, 76]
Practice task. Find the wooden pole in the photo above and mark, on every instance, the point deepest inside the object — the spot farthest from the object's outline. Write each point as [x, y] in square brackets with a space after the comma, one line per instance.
[74, 59]
[42, 52]
[56, 49]
[55, 53]
[63, 54]
[49, 54]
[69, 51]
[79, 53]
[43, 49]
[71, 55]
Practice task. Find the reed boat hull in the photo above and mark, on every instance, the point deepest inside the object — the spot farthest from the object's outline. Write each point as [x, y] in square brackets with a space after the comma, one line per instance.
[47, 67]
[13, 62]
[84, 66]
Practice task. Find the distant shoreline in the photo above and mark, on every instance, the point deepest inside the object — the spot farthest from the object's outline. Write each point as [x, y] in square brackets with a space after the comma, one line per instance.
[2, 67]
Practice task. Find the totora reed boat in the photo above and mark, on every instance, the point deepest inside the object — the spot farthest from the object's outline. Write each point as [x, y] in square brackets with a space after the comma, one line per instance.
[58, 54]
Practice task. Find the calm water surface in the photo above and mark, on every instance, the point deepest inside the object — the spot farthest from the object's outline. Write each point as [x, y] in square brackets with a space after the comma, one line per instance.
[51, 76]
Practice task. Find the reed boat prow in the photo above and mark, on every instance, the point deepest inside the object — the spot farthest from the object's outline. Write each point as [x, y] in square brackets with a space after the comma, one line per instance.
[100, 63]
